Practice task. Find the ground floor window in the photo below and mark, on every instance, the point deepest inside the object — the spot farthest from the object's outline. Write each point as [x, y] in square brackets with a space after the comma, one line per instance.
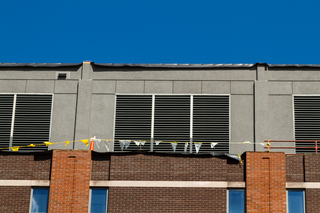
[39, 200]
[295, 200]
[98, 200]
[236, 201]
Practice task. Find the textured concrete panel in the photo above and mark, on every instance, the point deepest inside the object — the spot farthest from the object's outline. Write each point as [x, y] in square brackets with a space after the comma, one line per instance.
[40, 86]
[63, 120]
[204, 75]
[241, 123]
[215, 87]
[241, 87]
[64, 86]
[164, 87]
[83, 113]
[306, 87]
[280, 87]
[103, 87]
[130, 87]
[187, 87]
[294, 75]
[12, 86]
[102, 118]
[281, 121]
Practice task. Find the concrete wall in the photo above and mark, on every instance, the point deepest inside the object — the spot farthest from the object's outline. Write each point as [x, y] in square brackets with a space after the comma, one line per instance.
[84, 104]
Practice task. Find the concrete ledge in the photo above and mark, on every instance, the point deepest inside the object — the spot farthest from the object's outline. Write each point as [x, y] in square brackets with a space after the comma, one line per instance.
[303, 185]
[204, 184]
[24, 182]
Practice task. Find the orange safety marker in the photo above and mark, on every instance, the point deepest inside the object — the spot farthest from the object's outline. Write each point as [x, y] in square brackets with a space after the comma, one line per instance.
[92, 143]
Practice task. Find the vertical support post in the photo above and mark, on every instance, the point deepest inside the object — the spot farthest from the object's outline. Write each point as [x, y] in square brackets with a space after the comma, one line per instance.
[152, 123]
[316, 147]
[12, 120]
[191, 122]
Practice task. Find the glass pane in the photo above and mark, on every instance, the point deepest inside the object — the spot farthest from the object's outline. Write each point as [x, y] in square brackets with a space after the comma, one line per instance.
[295, 202]
[236, 201]
[40, 201]
[99, 200]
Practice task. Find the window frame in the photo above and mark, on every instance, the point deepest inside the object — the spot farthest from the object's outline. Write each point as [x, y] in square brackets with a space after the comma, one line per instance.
[31, 197]
[14, 109]
[304, 198]
[237, 189]
[191, 114]
[90, 196]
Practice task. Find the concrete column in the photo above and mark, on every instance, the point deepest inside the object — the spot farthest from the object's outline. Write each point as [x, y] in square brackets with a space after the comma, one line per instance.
[261, 114]
[83, 107]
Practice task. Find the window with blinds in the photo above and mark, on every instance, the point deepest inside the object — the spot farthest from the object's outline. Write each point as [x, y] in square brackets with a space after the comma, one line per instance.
[307, 121]
[25, 119]
[172, 118]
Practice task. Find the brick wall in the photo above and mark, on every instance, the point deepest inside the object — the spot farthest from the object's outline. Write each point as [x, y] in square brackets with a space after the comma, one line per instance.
[295, 168]
[312, 167]
[151, 200]
[14, 199]
[266, 182]
[70, 181]
[100, 166]
[312, 197]
[14, 166]
[157, 167]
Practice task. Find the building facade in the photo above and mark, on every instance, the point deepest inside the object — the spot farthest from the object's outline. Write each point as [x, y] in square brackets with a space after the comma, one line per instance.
[218, 105]
[82, 180]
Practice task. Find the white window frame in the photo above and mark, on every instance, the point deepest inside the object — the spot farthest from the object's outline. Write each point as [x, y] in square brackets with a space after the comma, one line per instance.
[90, 195]
[31, 196]
[153, 108]
[237, 189]
[304, 198]
[14, 109]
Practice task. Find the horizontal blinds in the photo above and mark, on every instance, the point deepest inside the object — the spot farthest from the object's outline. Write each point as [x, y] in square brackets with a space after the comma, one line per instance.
[172, 117]
[211, 122]
[6, 107]
[133, 120]
[307, 121]
[32, 120]
[171, 121]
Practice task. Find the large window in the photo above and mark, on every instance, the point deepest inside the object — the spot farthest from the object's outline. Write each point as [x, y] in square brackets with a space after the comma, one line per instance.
[98, 200]
[39, 200]
[236, 201]
[173, 118]
[307, 121]
[24, 119]
[295, 200]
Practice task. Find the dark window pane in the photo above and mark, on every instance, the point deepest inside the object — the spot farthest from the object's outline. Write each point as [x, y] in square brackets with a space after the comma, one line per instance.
[39, 200]
[99, 200]
[295, 202]
[236, 201]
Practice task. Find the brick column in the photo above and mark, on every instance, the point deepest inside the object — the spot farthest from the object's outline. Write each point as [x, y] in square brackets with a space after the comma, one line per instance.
[70, 181]
[266, 182]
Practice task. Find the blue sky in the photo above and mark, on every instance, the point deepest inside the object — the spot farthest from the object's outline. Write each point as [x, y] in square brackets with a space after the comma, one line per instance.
[160, 31]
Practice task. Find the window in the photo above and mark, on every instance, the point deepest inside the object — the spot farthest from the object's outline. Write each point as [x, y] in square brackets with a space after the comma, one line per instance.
[39, 200]
[165, 118]
[295, 200]
[25, 119]
[98, 200]
[236, 201]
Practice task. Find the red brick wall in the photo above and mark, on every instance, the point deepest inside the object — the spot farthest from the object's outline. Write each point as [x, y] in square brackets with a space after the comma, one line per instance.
[70, 181]
[266, 182]
[151, 200]
[166, 168]
[15, 199]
